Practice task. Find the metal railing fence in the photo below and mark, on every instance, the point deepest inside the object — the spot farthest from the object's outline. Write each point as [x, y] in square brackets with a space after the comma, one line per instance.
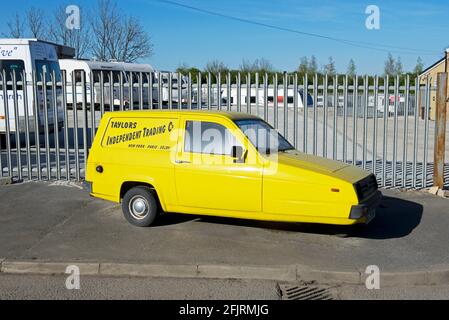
[48, 121]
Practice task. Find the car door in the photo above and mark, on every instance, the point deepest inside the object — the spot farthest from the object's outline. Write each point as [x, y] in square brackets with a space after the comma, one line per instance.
[208, 176]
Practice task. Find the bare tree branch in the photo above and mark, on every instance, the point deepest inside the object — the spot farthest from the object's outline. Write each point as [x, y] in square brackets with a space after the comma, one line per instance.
[16, 27]
[35, 21]
[118, 36]
[79, 39]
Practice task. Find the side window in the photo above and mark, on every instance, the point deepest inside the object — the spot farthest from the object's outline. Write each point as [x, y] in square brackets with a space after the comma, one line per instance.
[208, 138]
[78, 75]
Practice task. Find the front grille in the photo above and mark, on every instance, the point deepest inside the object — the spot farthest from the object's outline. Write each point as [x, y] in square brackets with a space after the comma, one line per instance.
[366, 187]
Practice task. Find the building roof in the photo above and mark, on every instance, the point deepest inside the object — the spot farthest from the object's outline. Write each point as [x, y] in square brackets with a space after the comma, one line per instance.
[433, 66]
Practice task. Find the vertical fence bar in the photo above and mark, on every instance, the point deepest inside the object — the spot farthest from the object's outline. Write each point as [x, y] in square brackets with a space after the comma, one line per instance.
[426, 133]
[315, 107]
[160, 90]
[306, 112]
[170, 91]
[200, 93]
[46, 125]
[111, 91]
[335, 125]
[295, 110]
[180, 88]
[275, 101]
[56, 125]
[265, 96]
[150, 90]
[92, 107]
[209, 91]
[85, 118]
[179, 91]
[17, 125]
[27, 126]
[75, 127]
[385, 119]
[325, 113]
[365, 121]
[131, 90]
[239, 92]
[66, 123]
[415, 131]
[345, 118]
[122, 91]
[355, 115]
[405, 147]
[36, 124]
[248, 93]
[395, 129]
[375, 127]
[101, 75]
[140, 91]
[228, 90]
[257, 94]
[285, 104]
[189, 91]
[219, 91]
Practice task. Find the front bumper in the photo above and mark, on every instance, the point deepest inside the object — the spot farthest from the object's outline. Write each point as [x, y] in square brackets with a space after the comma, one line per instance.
[365, 211]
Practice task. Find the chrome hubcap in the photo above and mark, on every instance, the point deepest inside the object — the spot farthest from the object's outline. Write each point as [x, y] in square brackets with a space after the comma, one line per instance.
[138, 207]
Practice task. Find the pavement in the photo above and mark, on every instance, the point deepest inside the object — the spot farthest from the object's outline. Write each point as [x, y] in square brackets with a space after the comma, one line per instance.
[46, 226]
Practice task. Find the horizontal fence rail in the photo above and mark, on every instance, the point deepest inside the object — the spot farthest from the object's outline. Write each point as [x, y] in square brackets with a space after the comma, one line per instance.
[49, 120]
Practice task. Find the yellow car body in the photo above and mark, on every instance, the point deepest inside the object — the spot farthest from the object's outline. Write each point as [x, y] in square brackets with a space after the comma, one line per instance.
[151, 148]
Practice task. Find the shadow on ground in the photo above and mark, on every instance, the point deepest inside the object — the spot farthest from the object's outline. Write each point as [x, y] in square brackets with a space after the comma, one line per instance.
[395, 218]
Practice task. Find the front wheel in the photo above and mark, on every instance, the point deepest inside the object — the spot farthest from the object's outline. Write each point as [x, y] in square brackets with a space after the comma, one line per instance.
[139, 206]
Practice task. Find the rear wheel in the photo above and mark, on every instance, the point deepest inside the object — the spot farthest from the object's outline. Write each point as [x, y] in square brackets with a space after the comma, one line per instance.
[139, 206]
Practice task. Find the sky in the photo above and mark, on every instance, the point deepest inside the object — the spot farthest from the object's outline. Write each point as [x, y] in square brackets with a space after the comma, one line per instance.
[408, 29]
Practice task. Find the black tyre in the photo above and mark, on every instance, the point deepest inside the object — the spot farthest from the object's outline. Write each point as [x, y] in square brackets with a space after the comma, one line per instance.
[140, 207]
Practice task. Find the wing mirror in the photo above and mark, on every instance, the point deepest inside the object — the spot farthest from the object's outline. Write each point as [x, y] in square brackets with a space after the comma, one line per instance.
[238, 154]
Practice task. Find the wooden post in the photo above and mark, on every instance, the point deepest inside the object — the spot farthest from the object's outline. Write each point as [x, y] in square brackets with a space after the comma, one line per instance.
[440, 130]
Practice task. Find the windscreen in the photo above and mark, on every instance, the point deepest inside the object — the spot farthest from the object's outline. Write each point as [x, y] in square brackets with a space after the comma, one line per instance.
[48, 67]
[264, 138]
[10, 66]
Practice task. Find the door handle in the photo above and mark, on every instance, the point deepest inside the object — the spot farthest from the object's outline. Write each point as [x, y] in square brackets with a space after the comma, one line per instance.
[182, 162]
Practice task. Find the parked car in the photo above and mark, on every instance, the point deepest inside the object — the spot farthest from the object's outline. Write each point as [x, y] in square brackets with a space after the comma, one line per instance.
[220, 164]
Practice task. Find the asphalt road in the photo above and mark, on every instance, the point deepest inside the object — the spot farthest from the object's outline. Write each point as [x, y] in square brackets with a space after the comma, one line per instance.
[105, 288]
[54, 222]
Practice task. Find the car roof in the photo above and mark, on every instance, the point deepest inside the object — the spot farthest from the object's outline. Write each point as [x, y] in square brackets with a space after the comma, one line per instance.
[225, 114]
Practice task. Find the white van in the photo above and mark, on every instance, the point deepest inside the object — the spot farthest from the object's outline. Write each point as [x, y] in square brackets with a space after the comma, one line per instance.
[31, 57]
[177, 85]
[118, 71]
[259, 94]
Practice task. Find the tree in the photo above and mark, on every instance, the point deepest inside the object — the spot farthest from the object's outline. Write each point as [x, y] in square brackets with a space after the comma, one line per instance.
[16, 27]
[398, 68]
[329, 68]
[261, 65]
[419, 66]
[313, 65]
[351, 68]
[35, 21]
[390, 66]
[216, 66]
[118, 36]
[303, 65]
[80, 39]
